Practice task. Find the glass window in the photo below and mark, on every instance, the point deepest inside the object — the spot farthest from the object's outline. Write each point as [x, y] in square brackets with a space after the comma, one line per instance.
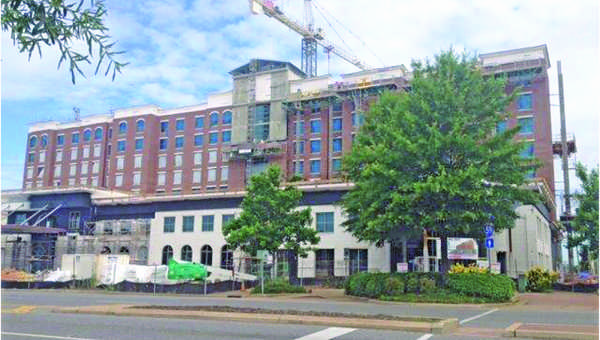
[526, 125]
[84, 168]
[137, 161]
[167, 254]
[164, 127]
[87, 135]
[121, 146]
[137, 178]
[44, 141]
[337, 105]
[97, 149]
[29, 172]
[224, 174]
[177, 178]
[122, 128]
[299, 166]
[42, 157]
[98, 134]
[208, 222]
[86, 152]
[139, 144]
[180, 125]
[199, 122]
[179, 142]
[119, 180]
[337, 124]
[59, 155]
[358, 119]
[528, 150]
[315, 166]
[336, 164]
[501, 126]
[325, 222]
[197, 176]
[162, 161]
[357, 260]
[315, 146]
[198, 140]
[74, 154]
[40, 171]
[206, 255]
[169, 224]
[299, 148]
[524, 102]
[72, 169]
[299, 128]
[197, 158]
[178, 161]
[109, 133]
[212, 156]
[226, 117]
[226, 136]
[186, 251]
[315, 126]
[226, 256]
[60, 140]
[162, 178]
[57, 171]
[188, 223]
[163, 144]
[212, 175]
[214, 119]
[226, 219]
[140, 125]
[31, 157]
[32, 142]
[213, 138]
[75, 138]
[337, 145]
[95, 167]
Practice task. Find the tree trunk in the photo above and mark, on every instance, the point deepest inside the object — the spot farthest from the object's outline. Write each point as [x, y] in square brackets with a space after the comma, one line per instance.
[292, 267]
[444, 264]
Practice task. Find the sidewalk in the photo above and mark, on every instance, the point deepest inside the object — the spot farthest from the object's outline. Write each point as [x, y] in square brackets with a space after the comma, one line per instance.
[559, 300]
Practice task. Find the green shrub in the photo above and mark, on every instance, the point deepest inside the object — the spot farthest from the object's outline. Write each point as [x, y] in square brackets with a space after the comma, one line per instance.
[334, 282]
[426, 285]
[539, 280]
[356, 284]
[278, 287]
[498, 288]
[412, 284]
[394, 286]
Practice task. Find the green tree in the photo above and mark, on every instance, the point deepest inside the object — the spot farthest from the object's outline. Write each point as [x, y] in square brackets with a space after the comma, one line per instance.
[430, 159]
[270, 220]
[35, 24]
[585, 225]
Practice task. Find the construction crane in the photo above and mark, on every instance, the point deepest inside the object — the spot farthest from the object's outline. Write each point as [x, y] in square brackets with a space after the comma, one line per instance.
[310, 36]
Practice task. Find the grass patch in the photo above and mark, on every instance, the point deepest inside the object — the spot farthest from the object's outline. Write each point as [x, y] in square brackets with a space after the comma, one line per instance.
[438, 296]
[278, 287]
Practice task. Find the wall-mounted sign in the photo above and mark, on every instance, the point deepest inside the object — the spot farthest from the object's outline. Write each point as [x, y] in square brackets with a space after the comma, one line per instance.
[462, 248]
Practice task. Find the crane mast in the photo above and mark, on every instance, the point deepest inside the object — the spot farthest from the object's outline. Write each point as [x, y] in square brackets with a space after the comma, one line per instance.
[310, 37]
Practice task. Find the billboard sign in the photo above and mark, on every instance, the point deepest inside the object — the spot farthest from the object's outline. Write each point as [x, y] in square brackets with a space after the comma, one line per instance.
[462, 248]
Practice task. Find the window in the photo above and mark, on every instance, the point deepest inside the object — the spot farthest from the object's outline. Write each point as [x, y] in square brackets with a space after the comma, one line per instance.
[72, 169]
[198, 140]
[226, 258]
[226, 136]
[208, 223]
[336, 165]
[44, 141]
[324, 263]
[95, 167]
[167, 254]
[74, 218]
[315, 106]
[87, 135]
[119, 180]
[315, 166]
[315, 146]
[197, 176]
[108, 149]
[357, 260]
[524, 102]
[206, 255]
[226, 117]
[140, 125]
[188, 223]
[74, 154]
[29, 172]
[84, 168]
[224, 174]
[139, 144]
[337, 145]
[178, 160]
[137, 161]
[214, 119]
[109, 133]
[33, 142]
[97, 149]
[528, 150]
[75, 138]
[225, 219]
[315, 126]
[299, 148]
[212, 156]
[86, 152]
[163, 144]
[199, 122]
[120, 163]
[357, 119]
[169, 224]
[299, 167]
[337, 105]
[162, 161]
[179, 142]
[71, 182]
[57, 171]
[213, 138]
[121, 146]
[122, 128]
[42, 157]
[31, 157]
[197, 158]
[299, 128]
[177, 178]
[137, 178]
[164, 127]
[180, 125]
[325, 222]
[40, 172]
[98, 134]
[161, 179]
[337, 125]
[262, 115]
[95, 181]
[60, 140]
[526, 125]
[212, 175]
[186, 253]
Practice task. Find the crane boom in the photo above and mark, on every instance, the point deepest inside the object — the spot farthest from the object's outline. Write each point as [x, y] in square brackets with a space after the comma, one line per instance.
[267, 7]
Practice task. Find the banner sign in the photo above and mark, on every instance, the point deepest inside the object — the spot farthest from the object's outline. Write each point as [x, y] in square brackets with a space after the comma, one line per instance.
[462, 249]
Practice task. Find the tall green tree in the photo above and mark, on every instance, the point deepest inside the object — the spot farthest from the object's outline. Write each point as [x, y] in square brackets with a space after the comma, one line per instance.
[37, 24]
[585, 225]
[270, 220]
[431, 159]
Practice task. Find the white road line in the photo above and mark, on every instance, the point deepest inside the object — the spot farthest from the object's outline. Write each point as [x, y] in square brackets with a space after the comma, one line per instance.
[425, 337]
[44, 336]
[478, 316]
[328, 333]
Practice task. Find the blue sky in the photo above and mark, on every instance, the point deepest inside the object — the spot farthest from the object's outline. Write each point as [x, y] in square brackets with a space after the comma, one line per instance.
[181, 51]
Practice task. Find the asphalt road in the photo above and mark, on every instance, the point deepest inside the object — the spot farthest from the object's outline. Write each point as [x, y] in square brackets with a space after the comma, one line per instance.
[40, 322]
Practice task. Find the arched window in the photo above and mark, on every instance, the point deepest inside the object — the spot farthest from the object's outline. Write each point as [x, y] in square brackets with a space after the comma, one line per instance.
[167, 254]
[124, 250]
[105, 250]
[206, 255]
[98, 134]
[123, 127]
[32, 141]
[140, 125]
[226, 258]
[44, 141]
[227, 117]
[186, 253]
[214, 119]
[87, 135]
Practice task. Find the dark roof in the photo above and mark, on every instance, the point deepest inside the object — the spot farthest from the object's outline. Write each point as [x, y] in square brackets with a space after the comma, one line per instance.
[266, 65]
[27, 229]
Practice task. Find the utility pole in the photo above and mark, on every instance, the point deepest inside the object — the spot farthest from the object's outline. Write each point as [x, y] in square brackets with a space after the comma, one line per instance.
[565, 161]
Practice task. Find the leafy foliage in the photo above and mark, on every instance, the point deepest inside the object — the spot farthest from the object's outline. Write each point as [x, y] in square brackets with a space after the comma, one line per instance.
[278, 287]
[460, 268]
[35, 23]
[540, 280]
[429, 158]
[270, 218]
[498, 288]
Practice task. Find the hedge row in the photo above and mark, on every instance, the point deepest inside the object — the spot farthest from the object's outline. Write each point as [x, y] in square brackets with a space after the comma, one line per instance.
[496, 287]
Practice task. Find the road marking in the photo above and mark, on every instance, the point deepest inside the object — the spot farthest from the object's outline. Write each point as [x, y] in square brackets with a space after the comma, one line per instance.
[328, 333]
[44, 336]
[425, 337]
[21, 310]
[478, 316]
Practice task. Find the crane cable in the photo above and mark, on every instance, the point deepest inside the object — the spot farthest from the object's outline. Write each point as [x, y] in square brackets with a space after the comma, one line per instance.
[333, 28]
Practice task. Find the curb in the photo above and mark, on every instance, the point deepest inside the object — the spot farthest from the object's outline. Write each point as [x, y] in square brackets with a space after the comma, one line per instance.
[514, 331]
[443, 326]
